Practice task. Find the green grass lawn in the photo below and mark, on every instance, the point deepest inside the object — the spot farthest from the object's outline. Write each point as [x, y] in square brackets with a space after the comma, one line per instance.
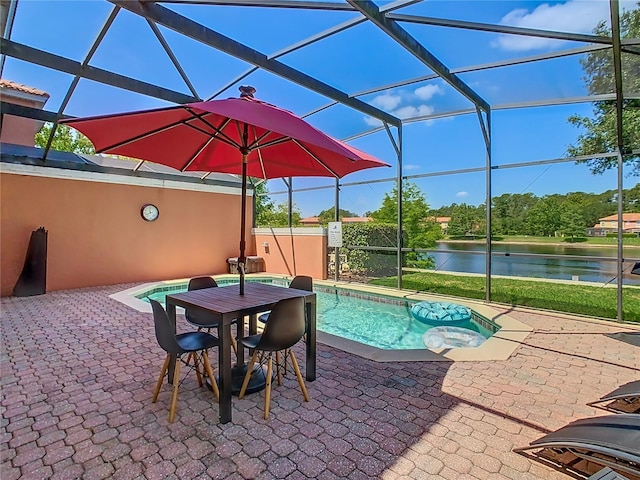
[571, 298]
[605, 241]
[630, 242]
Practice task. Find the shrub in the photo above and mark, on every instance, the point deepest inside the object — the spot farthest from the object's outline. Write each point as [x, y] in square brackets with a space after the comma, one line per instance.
[369, 262]
[624, 235]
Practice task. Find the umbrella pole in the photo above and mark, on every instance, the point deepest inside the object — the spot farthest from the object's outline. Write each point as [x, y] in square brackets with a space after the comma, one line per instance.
[242, 259]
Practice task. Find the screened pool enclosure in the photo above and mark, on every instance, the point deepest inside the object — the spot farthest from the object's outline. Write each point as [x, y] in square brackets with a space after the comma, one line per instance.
[473, 103]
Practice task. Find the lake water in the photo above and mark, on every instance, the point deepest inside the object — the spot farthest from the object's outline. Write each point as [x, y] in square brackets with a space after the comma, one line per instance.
[460, 257]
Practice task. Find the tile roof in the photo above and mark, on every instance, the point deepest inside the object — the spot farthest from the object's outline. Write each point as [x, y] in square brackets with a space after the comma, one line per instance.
[32, 156]
[4, 83]
[626, 217]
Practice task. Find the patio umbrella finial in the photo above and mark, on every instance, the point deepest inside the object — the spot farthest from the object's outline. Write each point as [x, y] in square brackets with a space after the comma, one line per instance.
[246, 91]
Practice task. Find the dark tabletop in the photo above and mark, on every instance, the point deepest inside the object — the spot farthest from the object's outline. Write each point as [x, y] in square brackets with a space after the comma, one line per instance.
[222, 300]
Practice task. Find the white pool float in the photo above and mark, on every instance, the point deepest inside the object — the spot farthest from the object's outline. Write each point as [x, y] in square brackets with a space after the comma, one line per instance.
[452, 337]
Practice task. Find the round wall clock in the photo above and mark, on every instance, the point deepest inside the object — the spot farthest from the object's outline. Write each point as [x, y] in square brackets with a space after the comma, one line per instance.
[149, 212]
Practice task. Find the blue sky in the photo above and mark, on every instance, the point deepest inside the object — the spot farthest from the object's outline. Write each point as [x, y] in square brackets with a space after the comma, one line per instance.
[355, 60]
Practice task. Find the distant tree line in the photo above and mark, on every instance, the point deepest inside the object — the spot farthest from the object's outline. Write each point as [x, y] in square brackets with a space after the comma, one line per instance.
[566, 215]
[526, 214]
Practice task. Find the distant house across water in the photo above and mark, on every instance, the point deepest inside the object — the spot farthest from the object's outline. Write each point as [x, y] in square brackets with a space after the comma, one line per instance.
[442, 221]
[630, 224]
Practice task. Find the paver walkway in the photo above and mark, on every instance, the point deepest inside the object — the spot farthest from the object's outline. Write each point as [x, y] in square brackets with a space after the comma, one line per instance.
[78, 371]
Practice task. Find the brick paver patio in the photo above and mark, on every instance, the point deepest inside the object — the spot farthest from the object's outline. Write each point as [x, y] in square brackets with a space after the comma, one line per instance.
[78, 371]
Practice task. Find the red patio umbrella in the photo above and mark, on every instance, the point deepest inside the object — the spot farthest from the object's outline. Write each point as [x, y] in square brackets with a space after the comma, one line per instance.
[242, 136]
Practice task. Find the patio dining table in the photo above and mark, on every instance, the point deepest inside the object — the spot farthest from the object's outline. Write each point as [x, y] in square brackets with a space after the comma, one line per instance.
[227, 304]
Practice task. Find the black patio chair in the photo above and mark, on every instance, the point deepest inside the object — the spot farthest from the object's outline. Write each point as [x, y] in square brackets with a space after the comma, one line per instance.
[299, 282]
[585, 446]
[195, 344]
[202, 319]
[283, 330]
[607, 474]
[624, 399]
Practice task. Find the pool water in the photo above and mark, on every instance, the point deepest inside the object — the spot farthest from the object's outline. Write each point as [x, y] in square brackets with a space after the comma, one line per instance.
[383, 322]
[383, 325]
[158, 293]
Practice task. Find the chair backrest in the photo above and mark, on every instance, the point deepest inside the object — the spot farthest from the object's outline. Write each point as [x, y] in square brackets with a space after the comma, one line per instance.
[165, 329]
[285, 326]
[197, 283]
[302, 282]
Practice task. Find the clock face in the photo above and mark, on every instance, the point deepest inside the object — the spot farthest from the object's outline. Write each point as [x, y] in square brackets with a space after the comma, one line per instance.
[149, 212]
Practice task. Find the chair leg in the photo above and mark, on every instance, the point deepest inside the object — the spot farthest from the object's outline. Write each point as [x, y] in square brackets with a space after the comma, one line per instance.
[163, 372]
[234, 345]
[303, 388]
[280, 366]
[245, 383]
[194, 355]
[174, 397]
[212, 378]
[285, 363]
[267, 390]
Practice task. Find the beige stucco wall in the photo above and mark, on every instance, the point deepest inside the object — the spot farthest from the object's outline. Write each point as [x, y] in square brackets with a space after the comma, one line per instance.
[295, 251]
[20, 130]
[96, 235]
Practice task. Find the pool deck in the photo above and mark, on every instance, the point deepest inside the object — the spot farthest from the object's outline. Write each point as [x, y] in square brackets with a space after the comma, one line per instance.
[78, 370]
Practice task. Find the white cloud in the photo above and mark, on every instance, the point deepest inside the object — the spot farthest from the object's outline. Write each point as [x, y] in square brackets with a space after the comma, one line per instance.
[462, 194]
[387, 101]
[428, 91]
[372, 122]
[411, 111]
[400, 102]
[576, 16]
[410, 166]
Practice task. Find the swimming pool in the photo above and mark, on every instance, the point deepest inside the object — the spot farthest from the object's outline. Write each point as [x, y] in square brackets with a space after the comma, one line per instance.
[379, 321]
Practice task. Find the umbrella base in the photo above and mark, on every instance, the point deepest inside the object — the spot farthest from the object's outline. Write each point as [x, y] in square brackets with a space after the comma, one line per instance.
[257, 382]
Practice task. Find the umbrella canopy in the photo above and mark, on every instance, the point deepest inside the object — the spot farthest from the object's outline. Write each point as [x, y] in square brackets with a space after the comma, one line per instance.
[212, 136]
[241, 136]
